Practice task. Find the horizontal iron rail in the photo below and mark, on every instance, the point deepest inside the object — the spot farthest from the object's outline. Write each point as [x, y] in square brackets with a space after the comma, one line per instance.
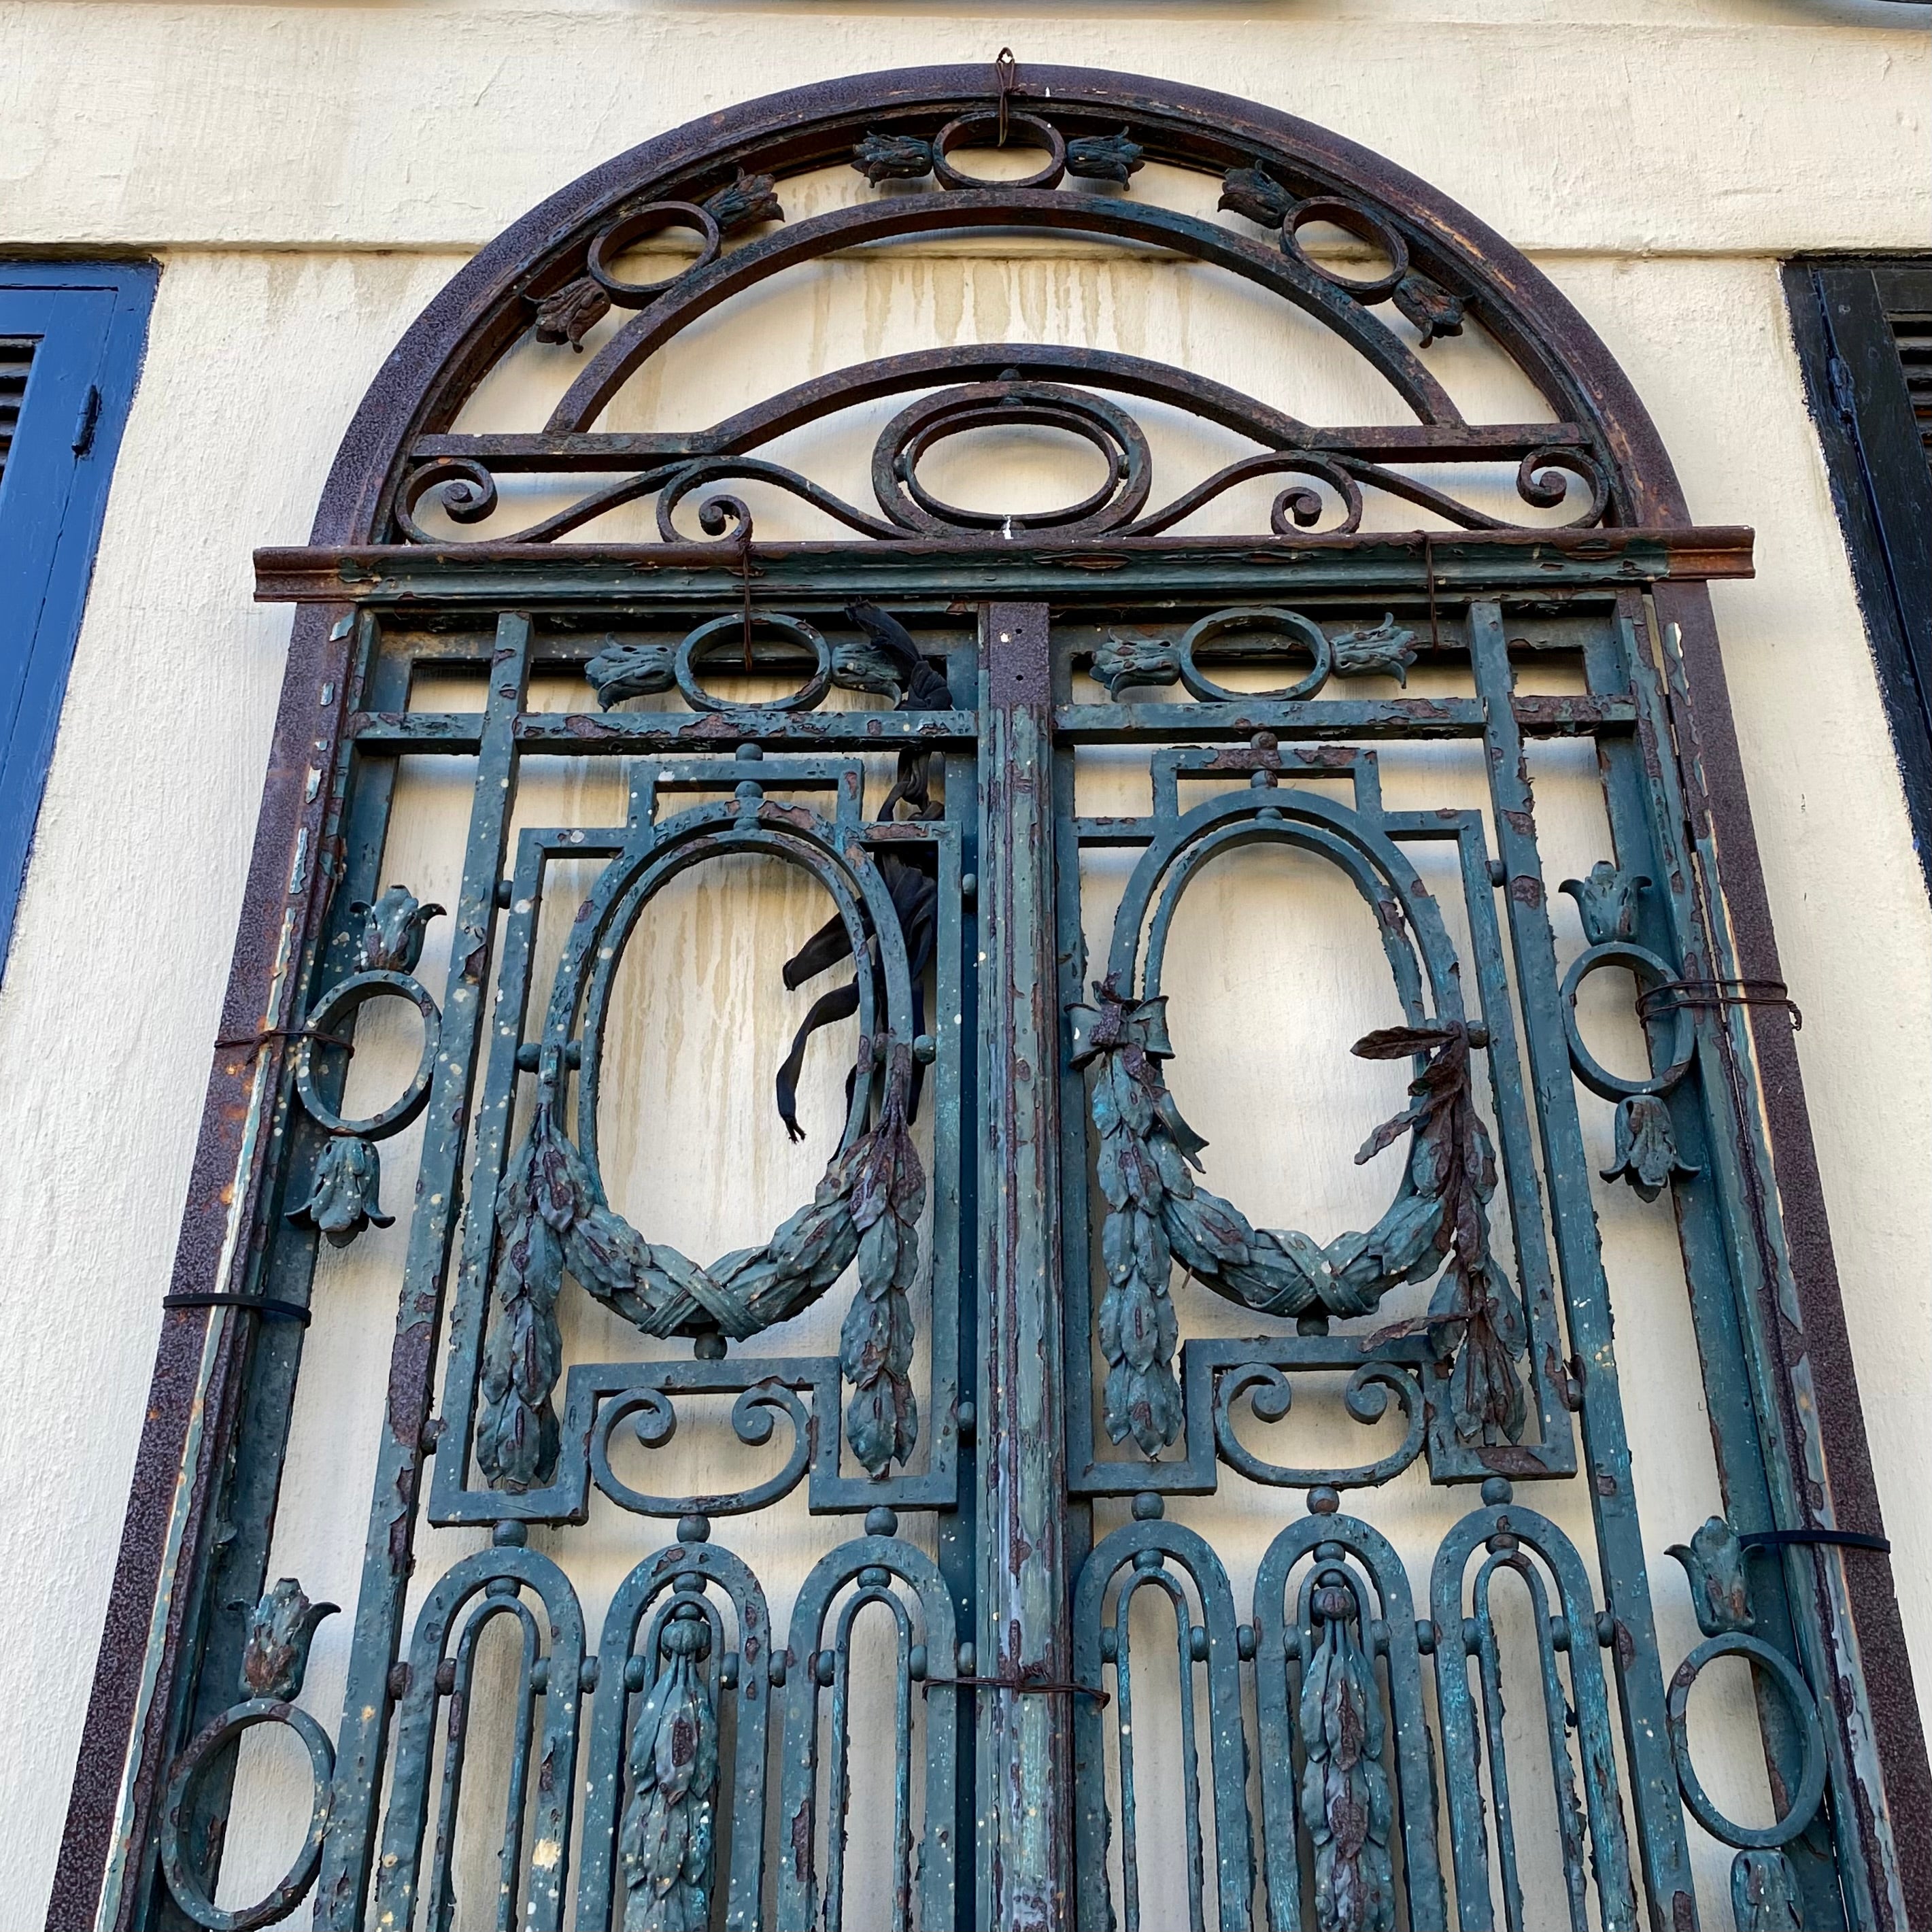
[1100, 572]
[645, 733]
[1333, 718]
[595, 450]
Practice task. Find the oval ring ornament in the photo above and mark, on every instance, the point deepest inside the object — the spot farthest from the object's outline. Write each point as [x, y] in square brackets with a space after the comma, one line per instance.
[1290, 623]
[1158, 1214]
[1362, 222]
[1047, 138]
[337, 1005]
[1803, 1710]
[716, 629]
[1121, 442]
[190, 1893]
[1650, 971]
[630, 229]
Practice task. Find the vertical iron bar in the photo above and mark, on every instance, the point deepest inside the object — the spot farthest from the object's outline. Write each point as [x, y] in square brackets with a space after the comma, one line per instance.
[389, 1554]
[1025, 1840]
[1722, 1270]
[1660, 1837]
[1880, 1740]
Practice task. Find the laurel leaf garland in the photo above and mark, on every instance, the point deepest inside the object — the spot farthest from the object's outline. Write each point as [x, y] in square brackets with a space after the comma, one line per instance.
[1159, 1214]
[551, 1216]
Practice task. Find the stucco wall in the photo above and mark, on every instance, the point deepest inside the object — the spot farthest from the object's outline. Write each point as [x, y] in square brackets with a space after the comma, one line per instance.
[310, 176]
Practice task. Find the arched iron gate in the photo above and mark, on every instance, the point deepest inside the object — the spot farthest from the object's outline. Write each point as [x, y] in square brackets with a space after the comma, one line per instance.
[687, 1764]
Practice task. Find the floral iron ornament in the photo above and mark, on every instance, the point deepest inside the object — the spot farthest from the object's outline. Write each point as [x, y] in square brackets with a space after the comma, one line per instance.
[1158, 1214]
[552, 1216]
[667, 1838]
[1646, 1153]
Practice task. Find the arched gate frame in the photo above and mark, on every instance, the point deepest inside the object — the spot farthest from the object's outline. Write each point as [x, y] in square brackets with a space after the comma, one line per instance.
[1322, 1778]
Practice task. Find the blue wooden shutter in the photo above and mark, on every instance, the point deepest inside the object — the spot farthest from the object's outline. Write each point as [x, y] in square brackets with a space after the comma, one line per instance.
[71, 341]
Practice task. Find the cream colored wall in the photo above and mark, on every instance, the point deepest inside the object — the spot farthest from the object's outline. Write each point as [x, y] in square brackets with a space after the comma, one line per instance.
[311, 176]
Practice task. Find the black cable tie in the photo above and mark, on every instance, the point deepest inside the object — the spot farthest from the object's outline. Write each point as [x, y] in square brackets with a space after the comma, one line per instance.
[255, 1042]
[286, 1311]
[1851, 1539]
[1676, 994]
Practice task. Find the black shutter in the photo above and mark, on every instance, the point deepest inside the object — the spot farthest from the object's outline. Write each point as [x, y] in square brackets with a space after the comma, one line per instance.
[1863, 332]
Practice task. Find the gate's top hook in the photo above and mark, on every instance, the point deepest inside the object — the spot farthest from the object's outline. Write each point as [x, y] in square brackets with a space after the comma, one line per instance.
[1006, 74]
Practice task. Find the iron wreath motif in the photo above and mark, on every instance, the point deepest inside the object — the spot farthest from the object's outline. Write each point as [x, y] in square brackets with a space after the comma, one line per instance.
[1159, 1214]
[553, 1215]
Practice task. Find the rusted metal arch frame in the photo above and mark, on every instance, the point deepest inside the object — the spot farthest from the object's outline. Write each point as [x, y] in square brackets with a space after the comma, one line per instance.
[204, 1360]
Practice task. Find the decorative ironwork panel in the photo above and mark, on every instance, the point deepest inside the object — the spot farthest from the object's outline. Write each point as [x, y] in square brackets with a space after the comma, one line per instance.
[1067, 1358]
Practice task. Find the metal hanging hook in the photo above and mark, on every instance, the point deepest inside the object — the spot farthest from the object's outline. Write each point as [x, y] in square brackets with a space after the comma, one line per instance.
[1006, 74]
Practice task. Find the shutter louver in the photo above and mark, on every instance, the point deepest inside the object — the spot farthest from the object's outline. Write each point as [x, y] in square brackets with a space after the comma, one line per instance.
[16, 355]
[1912, 336]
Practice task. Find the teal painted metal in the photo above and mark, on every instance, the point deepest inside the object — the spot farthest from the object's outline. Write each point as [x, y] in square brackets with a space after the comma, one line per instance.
[688, 1772]
[1006, 1658]
[1485, 1389]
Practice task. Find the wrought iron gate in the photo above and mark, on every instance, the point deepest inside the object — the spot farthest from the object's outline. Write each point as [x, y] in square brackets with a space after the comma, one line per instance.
[1011, 1482]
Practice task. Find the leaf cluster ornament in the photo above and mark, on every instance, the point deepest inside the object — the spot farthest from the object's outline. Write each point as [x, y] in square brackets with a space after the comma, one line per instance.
[1646, 1152]
[1159, 1214]
[1121, 663]
[389, 936]
[343, 1198]
[875, 1345]
[666, 1844]
[748, 200]
[1112, 157]
[1256, 193]
[1346, 1805]
[569, 313]
[1432, 309]
[551, 1216]
[884, 157]
[1713, 1565]
[1607, 901]
[281, 1627]
[1387, 649]
[1475, 1321]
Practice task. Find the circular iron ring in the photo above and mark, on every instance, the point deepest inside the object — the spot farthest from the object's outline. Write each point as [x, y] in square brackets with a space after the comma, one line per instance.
[337, 1004]
[190, 1893]
[1650, 971]
[1292, 622]
[710, 632]
[633, 228]
[1355, 219]
[1798, 1699]
[953, 134]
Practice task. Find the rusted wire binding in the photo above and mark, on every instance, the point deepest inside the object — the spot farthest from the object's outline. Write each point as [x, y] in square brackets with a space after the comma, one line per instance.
[1851, 1539]
[1673, 993]
[285, 1311]
[1005, 71]
[1032, 1686]
[254, 1041]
